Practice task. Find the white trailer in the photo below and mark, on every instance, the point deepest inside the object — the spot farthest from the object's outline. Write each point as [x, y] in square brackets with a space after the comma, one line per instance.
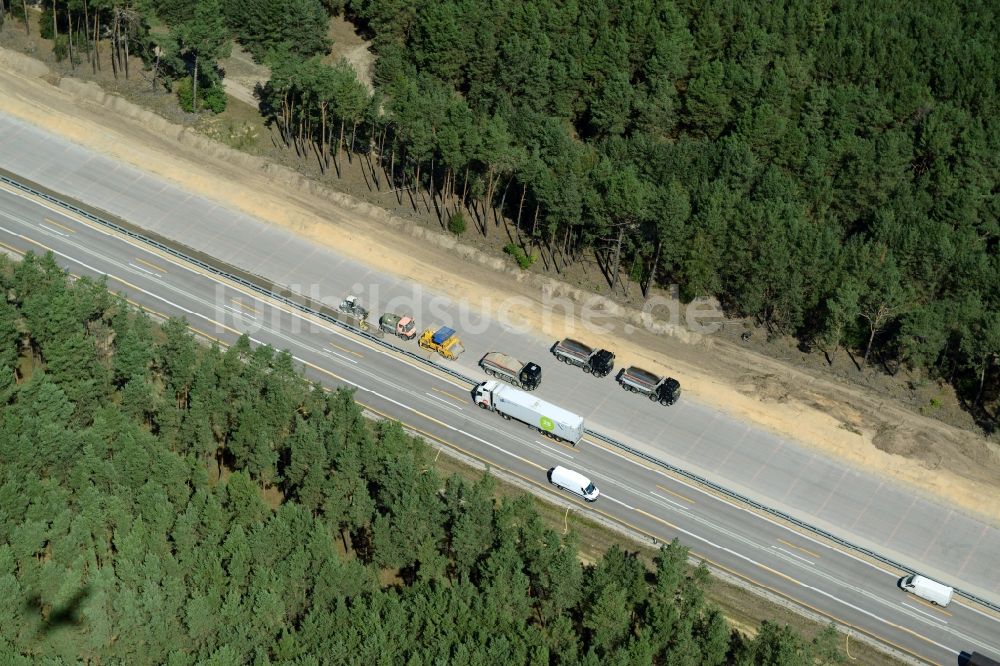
[546, 418]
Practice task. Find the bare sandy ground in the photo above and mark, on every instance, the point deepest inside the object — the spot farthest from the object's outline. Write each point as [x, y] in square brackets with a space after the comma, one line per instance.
[849, 423]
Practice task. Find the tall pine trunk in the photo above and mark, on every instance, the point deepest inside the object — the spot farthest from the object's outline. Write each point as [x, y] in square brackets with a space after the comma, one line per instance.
[982, 381]
[114, 47]
[329, 140]
[86, 32]
[381, 146]
[503, 201]
[27, 26]
[371, 154]
[490, 184]
[125, 42]
[69, 33]
[465, 186]
[430, 187]
[322, 133]
[618, 258]
[340, 143]
[416, 182]
[194, 85]
[448, 191]
[286, 120]
[97, 41]
[520, 207]
[652, 270]
[392, 176]
[868, 348]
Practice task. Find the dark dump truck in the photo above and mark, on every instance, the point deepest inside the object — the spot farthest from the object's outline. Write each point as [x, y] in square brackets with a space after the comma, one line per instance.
[598, 362]
[664, 390]
[525, 376]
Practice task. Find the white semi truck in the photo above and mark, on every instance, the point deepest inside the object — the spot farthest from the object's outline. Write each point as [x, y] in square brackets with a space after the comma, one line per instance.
[546, 418]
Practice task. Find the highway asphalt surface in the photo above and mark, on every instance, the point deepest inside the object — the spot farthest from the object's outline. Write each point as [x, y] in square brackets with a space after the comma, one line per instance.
[855, 592]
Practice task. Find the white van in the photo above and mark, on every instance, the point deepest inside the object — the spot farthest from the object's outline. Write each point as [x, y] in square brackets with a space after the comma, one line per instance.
[925, 588]
[574, 482]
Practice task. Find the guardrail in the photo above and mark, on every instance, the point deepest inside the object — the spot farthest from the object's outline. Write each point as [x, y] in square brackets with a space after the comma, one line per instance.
[265, 287]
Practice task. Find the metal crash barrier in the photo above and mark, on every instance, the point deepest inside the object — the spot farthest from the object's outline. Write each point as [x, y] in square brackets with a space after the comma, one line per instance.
[264, 287]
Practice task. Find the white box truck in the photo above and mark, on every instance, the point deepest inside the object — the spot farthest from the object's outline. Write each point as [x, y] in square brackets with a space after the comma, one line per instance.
[925, 588]
[546, 418]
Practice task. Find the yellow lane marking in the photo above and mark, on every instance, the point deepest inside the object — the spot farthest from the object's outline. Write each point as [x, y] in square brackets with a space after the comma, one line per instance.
[12, 249]
[437, 372]
[721, 499]
[450, 395]
[668, 490]
[757, 583]
[695, 555]
[833, 617]
[778, 573]
[792, 545]
[566, 445]
[244, 306]
[234, 286]
[603, 513]
[206, 335]
[32, 240]
[930, 605]
[346, 350]
[451, 445]
[415, 411]
[658, 519]
[128, 284]
[61, 226]
[211, 321]
[151, 265]
[762, 566]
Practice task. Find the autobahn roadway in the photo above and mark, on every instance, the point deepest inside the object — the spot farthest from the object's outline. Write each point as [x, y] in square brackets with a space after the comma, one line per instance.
[818, 575]
[866, 508]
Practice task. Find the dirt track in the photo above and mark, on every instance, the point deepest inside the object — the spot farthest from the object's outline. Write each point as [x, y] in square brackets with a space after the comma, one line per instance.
[851, 423]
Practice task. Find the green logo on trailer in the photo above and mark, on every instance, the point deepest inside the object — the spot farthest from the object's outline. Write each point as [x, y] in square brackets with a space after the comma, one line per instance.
[546, 424]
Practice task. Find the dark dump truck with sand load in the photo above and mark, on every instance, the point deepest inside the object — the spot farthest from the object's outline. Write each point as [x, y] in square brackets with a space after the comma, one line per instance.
[525, 376]
[664, 390]
[548, 419]
[597, 362]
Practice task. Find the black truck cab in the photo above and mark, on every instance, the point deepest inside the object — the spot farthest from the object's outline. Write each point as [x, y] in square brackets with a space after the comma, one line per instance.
[669, 391]
[531, 376]
[602, 363]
